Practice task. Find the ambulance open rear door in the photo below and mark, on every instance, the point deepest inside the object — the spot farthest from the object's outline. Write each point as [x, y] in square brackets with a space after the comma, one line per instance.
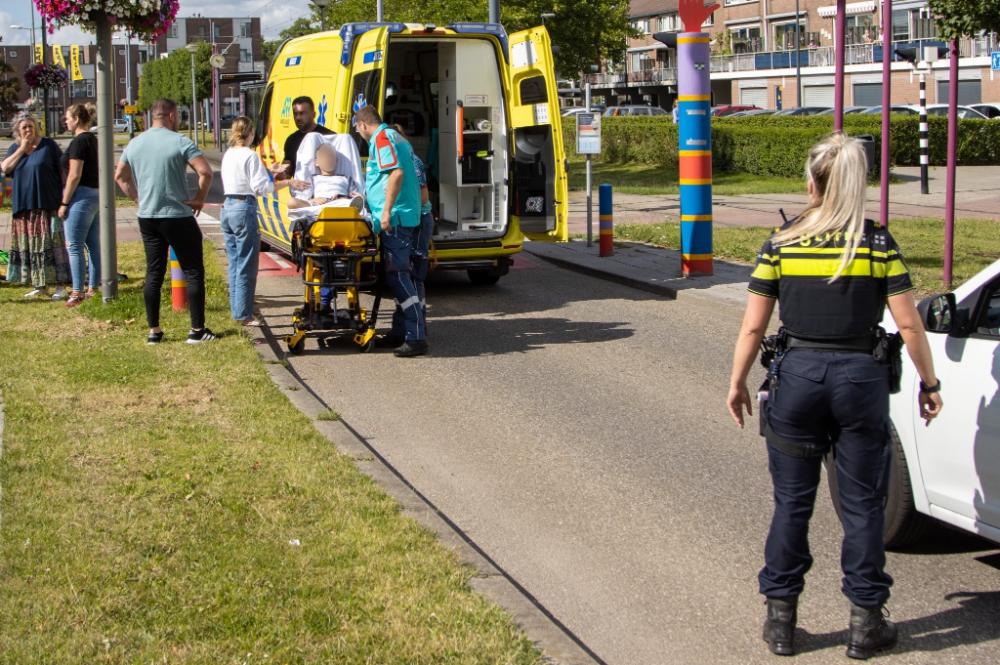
[539, 187]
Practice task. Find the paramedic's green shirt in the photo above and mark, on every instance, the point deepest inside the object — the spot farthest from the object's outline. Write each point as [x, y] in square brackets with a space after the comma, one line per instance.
[798, 275]
[387, 152]
[159, 160]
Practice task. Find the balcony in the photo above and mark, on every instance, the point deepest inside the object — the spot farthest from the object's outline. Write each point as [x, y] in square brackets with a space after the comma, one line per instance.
[856, 54]
[651, 76]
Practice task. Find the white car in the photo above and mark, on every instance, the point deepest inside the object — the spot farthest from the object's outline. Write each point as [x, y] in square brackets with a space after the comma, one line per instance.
[991, 111]
[950, 470]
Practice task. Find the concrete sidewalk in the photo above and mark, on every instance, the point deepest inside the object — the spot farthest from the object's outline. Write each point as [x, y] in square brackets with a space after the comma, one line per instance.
[977, 195]
[646, 268]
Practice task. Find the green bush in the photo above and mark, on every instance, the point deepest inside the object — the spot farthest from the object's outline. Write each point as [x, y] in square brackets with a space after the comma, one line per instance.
[777, 146]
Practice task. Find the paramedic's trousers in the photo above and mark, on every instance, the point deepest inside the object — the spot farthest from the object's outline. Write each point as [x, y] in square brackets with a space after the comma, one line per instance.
[843, 398]
[420, 262]
[406, 320]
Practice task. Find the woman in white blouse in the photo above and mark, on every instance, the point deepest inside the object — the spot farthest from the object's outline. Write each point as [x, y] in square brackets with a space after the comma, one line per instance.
[244, 178]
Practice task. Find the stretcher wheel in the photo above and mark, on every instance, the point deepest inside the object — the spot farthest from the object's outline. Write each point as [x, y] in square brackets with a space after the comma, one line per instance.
[369, 346]
[298, 347]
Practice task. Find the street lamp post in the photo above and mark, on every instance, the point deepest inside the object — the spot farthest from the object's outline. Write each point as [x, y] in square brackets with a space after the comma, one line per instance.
[323, 4]
[193, 120]
[545, 16]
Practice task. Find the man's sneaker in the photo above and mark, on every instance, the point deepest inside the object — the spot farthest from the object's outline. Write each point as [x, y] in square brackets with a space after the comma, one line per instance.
[388, 342]
[411, 349]
[199, 336]
[358, 203]
[59, 294]
[154, 338]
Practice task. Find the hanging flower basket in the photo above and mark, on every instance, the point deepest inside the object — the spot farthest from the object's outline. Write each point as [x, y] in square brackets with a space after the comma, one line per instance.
[45, 76]
[144, 20]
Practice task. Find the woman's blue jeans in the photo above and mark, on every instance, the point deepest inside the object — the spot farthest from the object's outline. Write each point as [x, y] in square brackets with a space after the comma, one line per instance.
[83, 231]
[239, 227]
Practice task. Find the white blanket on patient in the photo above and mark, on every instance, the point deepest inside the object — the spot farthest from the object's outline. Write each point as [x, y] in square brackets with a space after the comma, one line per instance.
[348, 162]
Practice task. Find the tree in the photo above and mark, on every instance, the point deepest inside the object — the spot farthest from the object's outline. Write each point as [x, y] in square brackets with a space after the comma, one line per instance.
[585, 31]
[170, 77]
[965, 18]
[9, 87]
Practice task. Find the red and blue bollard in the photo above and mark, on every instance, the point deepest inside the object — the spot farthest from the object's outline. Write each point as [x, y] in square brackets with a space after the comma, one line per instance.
[607, 227]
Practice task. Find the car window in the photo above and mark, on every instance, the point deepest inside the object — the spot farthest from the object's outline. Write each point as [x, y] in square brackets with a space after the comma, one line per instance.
[989, 320]
[640, 111]
[657, 112]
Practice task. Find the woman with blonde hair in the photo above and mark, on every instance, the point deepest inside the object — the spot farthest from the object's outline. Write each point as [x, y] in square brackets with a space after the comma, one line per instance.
[833, 272]
[244, 178]
[81, 202]
[37, 245]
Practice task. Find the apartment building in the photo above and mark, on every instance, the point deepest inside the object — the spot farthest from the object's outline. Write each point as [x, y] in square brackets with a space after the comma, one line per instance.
[754, 55]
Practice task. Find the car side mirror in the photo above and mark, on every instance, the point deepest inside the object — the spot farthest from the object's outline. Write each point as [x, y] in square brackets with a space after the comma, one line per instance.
[938, 313]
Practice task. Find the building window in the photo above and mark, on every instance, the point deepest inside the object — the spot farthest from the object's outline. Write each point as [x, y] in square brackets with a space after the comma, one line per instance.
[730, 3]
[121, 52]
[13, 54]
[711, 19]
[246, 29]
[642, 26]
[172, 31]
[246, 55]
[217, 30]
[202, 31]
[670, 23]
[784, 35]
[122, 80]
[900, 25]
[746, 39]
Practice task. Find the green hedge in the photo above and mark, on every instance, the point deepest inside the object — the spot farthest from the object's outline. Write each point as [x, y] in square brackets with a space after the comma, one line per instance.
[778, 146]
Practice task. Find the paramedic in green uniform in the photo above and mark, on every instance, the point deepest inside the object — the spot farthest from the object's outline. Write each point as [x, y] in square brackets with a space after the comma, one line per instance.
[393, 194]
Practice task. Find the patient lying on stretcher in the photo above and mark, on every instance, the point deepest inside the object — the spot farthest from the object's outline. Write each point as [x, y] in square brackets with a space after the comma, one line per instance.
[326, 187]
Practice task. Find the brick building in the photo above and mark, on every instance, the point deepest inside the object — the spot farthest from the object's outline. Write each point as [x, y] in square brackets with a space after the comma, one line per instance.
[753, 55]
[239, 37]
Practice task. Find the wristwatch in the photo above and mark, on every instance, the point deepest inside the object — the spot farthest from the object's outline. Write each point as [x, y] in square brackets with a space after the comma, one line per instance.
[924, 388]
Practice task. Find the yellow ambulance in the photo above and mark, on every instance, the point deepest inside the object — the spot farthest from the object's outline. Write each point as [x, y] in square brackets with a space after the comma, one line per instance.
[480, 107]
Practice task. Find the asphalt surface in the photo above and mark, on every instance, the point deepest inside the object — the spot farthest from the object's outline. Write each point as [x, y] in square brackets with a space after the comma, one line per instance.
[577, 431]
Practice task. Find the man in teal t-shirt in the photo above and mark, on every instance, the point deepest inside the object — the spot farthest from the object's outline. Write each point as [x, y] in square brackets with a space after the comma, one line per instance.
[393, 195]
[153, 173]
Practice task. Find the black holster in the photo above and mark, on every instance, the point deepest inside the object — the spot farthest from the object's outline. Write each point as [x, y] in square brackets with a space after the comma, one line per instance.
[889, 351]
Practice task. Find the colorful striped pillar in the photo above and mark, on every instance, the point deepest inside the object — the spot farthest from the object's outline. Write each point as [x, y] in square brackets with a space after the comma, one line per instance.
[178, 284]
[694, 94]
[607, 246]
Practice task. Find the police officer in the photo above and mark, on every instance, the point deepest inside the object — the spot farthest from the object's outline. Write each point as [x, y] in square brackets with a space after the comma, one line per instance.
[393, 195]
[833, 273]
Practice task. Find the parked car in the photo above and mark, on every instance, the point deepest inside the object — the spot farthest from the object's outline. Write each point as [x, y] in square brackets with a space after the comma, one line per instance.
[897, 109]
[226, 121]
[991, 111]
[730, 109]
[964, 112]
[573, 110]
[848, 110]
[6, 130]
[802, 110]
[751, 113]
[118, 125]
[949, 470]
[634, 109]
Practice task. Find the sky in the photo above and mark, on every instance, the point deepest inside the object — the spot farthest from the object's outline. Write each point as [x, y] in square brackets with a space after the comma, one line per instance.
[276, 15]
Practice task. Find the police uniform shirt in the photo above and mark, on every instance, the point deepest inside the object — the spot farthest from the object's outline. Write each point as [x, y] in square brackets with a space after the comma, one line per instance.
[388, 152]
[812, 307]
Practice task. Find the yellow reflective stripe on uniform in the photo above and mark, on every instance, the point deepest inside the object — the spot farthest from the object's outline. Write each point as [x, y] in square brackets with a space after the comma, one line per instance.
[895, 267]
[824, 267]
[766, 272]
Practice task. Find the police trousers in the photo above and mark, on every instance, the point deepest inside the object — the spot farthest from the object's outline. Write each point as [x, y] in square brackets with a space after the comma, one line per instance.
[838, 398]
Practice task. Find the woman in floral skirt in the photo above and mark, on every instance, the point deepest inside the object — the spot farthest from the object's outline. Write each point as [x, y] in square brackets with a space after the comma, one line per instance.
[37, 246]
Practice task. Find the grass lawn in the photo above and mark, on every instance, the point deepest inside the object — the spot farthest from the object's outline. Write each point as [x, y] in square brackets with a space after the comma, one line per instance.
[977, 245]
[644, 179]
[168, 504]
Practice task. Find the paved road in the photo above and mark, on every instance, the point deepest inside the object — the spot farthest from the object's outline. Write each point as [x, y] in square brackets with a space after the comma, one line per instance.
[576, 430]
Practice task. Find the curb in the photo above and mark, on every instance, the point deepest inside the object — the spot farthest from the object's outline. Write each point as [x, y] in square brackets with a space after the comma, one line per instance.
[557, 642]
[608, 276]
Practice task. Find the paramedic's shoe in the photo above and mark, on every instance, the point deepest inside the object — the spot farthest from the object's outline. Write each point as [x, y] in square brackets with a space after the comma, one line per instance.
[358, 203]
[870, 631]
[199, 336]
[411, 349]
[388, 342]
[779, 629]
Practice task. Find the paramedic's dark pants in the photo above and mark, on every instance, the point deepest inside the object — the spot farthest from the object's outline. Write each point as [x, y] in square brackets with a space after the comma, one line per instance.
[420, 262]
[183, 234]
[406, 319]
[844, 398]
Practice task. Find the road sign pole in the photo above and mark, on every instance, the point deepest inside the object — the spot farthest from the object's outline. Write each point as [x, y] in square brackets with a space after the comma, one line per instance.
[590, 186]
[106, 159]
[924, 136]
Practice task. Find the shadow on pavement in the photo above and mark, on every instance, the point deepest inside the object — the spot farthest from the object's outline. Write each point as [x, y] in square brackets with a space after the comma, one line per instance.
[974, 621]
[942, 539]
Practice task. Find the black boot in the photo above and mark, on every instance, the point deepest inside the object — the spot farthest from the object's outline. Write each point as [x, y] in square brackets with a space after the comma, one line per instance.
[871, 631]
[779, 629]
[411, 349]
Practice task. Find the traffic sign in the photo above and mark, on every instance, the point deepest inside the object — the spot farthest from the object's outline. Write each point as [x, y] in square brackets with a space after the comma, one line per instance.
[131, 109]
[995, 61]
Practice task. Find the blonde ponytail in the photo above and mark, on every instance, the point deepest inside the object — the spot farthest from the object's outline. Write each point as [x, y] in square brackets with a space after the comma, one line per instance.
[838, 169]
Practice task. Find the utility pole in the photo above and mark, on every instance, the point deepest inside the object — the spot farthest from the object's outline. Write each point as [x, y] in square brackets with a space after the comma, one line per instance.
[128, 84]
[798, 56]
[323, 4]
[590, 185]
[192, 48]
[887, 58]
[949, 201]
[380, 12]
[45, 91]
[494, 11]
[106, 160]
[841, 48]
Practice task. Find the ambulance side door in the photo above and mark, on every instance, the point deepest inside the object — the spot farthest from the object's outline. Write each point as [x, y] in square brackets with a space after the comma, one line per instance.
[540, 190]
[367, 77]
